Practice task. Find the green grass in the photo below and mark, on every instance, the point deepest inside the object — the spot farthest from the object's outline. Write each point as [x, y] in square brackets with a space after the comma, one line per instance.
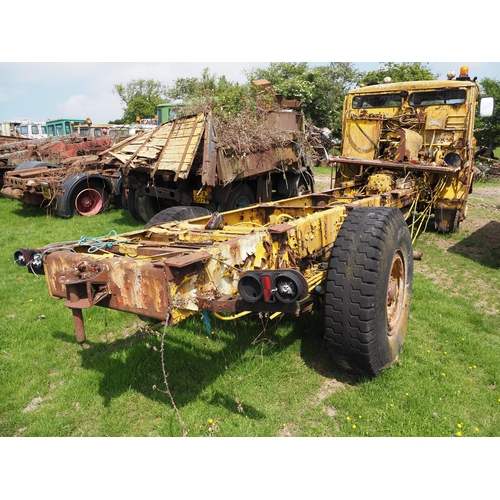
[253, 377]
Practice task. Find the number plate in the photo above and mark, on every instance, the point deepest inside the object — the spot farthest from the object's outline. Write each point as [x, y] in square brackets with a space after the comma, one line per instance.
[200, 197]
[46, 193]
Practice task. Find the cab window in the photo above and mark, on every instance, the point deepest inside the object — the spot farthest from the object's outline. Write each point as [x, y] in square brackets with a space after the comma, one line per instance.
[376, 101]
[437, 97]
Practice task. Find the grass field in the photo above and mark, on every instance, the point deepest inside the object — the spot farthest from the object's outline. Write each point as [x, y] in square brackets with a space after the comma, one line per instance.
[254, 377]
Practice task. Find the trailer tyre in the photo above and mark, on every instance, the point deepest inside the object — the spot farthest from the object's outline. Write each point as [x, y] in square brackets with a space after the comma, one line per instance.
[147, 206]
[132, 204]
[240, 197]
[178, 213]
[28, 165]
[368, 290]
[305, 184]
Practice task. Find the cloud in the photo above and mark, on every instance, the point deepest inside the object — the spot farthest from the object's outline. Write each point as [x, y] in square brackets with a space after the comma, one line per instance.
[72, 107]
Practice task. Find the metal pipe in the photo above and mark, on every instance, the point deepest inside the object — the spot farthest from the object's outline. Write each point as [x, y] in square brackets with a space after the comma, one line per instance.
[73, 297]
[79, 325]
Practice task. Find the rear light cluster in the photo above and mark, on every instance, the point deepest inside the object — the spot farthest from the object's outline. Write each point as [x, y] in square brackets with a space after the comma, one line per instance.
[29, 258]
[268, 286]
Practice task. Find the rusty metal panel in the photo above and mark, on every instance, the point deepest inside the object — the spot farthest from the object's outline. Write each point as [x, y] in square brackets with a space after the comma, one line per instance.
[209, 168]
[130, 285]
[231, 167]
[285, 120]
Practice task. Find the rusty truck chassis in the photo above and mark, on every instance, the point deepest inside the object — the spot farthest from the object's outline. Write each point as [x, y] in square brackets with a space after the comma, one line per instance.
[174, 270]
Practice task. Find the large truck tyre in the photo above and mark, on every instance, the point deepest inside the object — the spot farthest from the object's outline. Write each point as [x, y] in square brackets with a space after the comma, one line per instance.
[29, 165]
[178, 213]
[142, 207]
[82, 195]
[147, 207]
[368, 290]
[305, 184]
[241, 196]
[132, 204]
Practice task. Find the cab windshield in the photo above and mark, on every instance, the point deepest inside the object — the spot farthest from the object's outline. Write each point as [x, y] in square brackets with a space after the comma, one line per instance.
[437, 97]
[376, 101]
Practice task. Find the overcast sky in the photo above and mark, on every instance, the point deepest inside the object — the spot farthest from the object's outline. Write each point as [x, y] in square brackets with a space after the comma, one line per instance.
[38, 91]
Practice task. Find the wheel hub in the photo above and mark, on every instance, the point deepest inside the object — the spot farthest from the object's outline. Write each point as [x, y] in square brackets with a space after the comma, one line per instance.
[88, 202]
[395, 293]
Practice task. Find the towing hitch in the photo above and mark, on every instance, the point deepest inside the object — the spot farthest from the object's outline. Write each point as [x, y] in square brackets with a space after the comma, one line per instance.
[86, 285]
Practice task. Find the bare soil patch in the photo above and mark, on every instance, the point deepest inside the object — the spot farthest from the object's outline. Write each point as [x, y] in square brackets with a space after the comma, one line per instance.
[478, 239]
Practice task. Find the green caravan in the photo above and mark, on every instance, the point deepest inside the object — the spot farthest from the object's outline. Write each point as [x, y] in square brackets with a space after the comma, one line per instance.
[63, 126]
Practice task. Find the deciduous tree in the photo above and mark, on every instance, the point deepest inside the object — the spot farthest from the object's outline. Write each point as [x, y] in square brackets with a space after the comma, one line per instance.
[488, 129]
[140, 98]
[400, 72]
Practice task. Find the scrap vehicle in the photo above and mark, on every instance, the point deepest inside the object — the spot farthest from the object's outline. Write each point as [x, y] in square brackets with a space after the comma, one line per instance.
[407, 157]
[181, 162]
[64, 126]
[168, 111]
[56, 173]
[24, 129]
[10, 128]
[32, 130]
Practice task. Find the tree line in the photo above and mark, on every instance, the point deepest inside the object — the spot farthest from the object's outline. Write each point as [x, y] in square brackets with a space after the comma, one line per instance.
[320, 89]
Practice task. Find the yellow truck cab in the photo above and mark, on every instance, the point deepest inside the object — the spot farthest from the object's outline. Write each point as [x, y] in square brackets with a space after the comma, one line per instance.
[410, 127]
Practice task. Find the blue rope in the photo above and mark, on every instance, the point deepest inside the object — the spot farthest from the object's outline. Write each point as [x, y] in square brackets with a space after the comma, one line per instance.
[95, 244]
[206, 321]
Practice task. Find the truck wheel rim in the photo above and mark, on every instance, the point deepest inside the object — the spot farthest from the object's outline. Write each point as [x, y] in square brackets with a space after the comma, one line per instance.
[88, 202]
[395, 293]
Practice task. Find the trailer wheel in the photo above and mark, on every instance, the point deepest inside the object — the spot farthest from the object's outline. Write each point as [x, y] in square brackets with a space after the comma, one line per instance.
[368, 290]
[132, 204]
[91, 199]
[240, 197]
[28, 165]
[147, 207]
[305, 184]
[178, 213]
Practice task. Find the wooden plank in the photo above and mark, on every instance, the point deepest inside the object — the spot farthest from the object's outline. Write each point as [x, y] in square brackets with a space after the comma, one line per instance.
[178, 154]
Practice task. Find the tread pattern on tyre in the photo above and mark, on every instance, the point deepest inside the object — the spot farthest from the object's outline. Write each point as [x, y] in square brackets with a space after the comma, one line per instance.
[132, 204]
[356, 289]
